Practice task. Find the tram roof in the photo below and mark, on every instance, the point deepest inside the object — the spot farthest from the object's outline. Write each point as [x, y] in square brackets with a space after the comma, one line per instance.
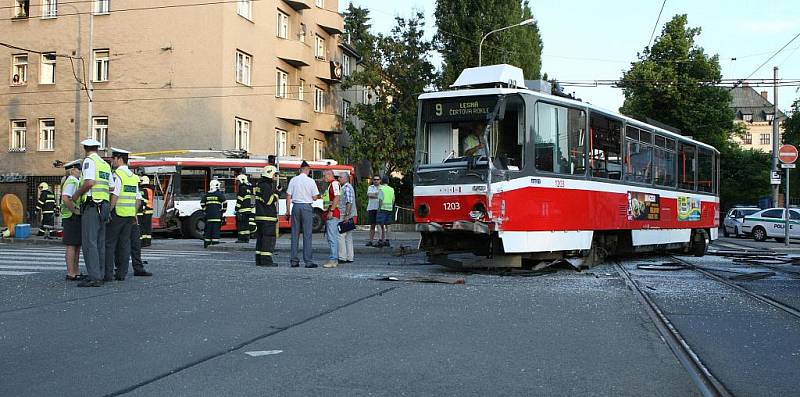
[567, 101]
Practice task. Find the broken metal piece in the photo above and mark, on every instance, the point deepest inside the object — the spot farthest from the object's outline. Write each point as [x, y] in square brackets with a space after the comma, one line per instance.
[424, 279]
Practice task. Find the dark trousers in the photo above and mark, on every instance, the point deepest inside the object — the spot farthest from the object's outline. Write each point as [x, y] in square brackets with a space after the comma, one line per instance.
[146, 229]
[93, 240]
[49, 221]
[245, 225]
[302, 218]
[265, 242]
[212, 233]
[118, 246]
[136, 249]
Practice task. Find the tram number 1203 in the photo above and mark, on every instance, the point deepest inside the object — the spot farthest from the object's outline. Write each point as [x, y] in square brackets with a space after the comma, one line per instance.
[453, 206]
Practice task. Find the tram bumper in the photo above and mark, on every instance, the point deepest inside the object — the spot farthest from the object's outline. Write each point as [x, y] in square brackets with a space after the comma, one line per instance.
[463, 226]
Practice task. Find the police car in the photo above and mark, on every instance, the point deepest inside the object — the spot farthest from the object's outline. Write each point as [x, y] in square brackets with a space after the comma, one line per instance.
[732, 225]
[769, 223]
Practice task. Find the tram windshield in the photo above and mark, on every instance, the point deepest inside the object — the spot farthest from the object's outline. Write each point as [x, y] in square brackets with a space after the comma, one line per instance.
[460, 130]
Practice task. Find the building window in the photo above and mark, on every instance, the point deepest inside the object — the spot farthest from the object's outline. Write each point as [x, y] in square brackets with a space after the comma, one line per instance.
[47, 72]
[320, 3]
[17, 139]
[245, 8]
[101, 61]
[100, 131]
[301, 35]
[280, 142]
[747, 139]
[19, 69]
[282, 84]
[49, 9]
[319, 51]
[345, 109]
[47, 135]
[770, 118]
[345, 64]
[102, 7]
[319, 99]
[301, 90]
[747, 118]
[283, 25]
[765, 139]
[365, 96]
[319, 150]
[244, 63]
[301, 139]
[242, 134]
[21, 8]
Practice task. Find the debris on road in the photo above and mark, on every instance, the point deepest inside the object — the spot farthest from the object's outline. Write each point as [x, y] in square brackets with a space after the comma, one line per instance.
[260, 353]
[424, 279]
[667, 266]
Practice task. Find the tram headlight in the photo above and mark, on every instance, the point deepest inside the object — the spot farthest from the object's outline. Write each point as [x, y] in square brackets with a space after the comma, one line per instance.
[423, 210]
[478, 212]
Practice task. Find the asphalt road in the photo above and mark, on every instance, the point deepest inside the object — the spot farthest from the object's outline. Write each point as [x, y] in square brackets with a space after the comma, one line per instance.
[188, 330]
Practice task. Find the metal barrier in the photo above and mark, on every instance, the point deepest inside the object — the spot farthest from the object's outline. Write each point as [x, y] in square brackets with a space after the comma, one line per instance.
[403, 215]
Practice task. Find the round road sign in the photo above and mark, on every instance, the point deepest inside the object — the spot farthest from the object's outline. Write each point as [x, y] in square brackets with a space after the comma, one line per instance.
[787, 154]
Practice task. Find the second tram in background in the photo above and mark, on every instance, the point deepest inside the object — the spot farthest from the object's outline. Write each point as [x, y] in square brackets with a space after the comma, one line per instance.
[526, 178]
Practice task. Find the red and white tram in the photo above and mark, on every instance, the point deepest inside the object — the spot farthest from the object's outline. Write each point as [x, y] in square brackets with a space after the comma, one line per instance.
[507, 172]
[180, 182]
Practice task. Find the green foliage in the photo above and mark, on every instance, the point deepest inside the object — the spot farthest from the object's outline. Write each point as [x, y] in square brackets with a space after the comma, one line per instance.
[745, 176]
[360, 188]
[791, 125]
[395, 70]
[462, 23]
[673, 82]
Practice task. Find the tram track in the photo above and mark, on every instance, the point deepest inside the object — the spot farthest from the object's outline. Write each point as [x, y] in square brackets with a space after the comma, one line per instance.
[706, 382]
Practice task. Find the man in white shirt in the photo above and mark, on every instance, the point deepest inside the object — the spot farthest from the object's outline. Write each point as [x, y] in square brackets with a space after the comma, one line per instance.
[372, 207]
[300, 195]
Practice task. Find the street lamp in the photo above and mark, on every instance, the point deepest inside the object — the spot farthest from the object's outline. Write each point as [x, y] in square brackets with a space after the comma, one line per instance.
[480, 46]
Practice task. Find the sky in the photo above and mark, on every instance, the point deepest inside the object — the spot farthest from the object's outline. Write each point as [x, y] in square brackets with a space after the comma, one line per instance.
[597, 39]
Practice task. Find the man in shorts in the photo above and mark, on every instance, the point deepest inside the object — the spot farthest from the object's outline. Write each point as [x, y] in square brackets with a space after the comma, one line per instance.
[385, 210]
[71, 220]
[372, 208]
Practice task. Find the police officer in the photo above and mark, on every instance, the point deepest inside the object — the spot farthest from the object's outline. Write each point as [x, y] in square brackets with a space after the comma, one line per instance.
[266, 216]
[136, 234]
[244, 209]
[145, 213]
[94, 196]
[124, 192]
[214, 205]
[46, 206]
[71, 220]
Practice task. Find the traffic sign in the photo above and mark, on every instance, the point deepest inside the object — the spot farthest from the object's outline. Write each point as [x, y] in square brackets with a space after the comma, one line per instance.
[787, 154]
[788, 165]
[775, 178]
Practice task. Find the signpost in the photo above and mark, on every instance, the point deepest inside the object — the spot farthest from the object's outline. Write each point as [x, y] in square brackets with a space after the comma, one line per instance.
[787, 154]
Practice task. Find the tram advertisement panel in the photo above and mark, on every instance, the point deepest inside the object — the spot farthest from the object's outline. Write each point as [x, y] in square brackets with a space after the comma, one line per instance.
[688, 208]
[643, 206]
[458, 109]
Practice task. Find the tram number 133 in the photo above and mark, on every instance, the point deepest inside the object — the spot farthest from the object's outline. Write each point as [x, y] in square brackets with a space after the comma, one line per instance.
[453, 206]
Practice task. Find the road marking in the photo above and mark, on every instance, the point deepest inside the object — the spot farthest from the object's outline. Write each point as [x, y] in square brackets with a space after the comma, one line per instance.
[12, 273]
[260, 353]
[24, 267]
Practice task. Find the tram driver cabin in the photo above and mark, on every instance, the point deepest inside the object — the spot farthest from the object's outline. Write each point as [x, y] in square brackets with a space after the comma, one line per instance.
[505, 170]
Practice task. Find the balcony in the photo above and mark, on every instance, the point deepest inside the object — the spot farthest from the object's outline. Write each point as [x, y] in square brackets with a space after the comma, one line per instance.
[294, 52]
[328, 71]
[330, 21]
[294, 111]
[299, 5]
[327, 122]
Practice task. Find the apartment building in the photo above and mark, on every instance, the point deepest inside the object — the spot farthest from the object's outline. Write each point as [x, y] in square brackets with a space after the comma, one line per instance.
[755, 111]
[259, 76]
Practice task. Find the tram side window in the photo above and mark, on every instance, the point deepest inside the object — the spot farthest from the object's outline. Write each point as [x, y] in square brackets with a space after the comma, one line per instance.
[639, 156]
[664, 161]
[560, 139]
[606, 149]
[705, 170]
[508, 137]
[686, 166]
[193, 182]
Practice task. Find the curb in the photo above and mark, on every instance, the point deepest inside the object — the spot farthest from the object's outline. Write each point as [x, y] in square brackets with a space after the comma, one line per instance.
[32, 241]
[317, 249]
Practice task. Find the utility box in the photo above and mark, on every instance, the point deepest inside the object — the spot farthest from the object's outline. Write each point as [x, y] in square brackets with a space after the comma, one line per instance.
[22, 230]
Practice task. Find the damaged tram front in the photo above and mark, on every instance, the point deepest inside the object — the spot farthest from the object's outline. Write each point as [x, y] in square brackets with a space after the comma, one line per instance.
[509, 173]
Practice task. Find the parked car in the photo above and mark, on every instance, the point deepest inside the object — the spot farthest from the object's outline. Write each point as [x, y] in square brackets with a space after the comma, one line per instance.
[733, 221]
[769, 223]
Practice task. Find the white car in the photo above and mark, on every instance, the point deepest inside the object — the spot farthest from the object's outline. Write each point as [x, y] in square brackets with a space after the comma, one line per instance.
[770, 223]
[732, 225]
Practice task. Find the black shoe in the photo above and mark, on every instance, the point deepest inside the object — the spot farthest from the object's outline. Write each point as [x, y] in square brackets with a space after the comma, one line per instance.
[295, 265]
[76, 278]
[370, 244]
[119, 277]
[91, 283]
[311, 266]
[206, 244]
[142, 274]
[107, 279]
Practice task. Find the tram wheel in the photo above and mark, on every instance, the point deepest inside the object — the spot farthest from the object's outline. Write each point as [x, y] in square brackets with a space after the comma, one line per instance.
[700, 242]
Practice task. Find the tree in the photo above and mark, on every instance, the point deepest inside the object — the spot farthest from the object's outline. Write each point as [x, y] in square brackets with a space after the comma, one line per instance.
[791, 125]
[674, 82]
[356, 27]
[395, 71]
[462, 23]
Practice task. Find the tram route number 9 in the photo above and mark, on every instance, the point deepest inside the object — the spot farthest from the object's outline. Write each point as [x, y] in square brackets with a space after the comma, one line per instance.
[439, 109]
[452, 206]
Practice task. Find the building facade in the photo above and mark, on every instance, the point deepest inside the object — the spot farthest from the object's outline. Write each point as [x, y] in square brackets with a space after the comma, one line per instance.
[260, 76]
[754, 111]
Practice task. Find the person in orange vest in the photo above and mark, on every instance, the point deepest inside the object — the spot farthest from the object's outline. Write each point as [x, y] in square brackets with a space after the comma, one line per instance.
[145, 213]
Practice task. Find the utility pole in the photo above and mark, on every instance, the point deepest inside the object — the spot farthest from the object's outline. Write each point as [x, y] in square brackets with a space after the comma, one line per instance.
[776, 135]
[90, 66]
